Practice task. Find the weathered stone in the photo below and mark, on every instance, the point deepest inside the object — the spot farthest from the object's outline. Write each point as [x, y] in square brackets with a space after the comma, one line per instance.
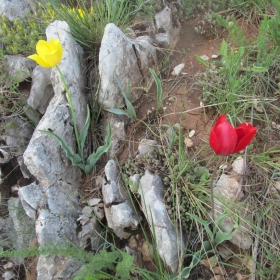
[169, 244]
[118, 124]
[57, 178]
[178, 69]
[120, 214]
[22, 230]
[129, 60]
[20, 67]
[72, 66]
[147, 146]
[30, 197]
[228, 191]
[58, 266]
[238, 166]
[13, 9]
[42, 90]
[168, 28]
[88, 235]
[16, 135]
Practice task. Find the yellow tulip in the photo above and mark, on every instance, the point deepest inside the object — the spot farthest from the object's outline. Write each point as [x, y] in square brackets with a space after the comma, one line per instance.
[48, 54]
[82, 13]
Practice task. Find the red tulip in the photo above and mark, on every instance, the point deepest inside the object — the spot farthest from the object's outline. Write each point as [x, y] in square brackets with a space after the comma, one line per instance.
[225, 139]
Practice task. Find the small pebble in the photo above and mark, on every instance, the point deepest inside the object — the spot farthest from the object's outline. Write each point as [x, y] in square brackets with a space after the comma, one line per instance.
[188, 142]
[192, 133]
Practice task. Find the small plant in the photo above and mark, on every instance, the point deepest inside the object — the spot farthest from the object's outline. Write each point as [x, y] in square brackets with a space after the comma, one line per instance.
[20, 36]
[129, 111]
[160, 98]
[87, 19]
[216, 237]
[49, 55]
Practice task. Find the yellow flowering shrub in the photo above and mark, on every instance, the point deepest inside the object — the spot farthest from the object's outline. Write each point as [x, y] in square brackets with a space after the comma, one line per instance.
[20, 36]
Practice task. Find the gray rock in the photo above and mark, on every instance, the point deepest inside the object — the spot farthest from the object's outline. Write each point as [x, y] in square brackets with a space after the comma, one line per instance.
[168, 28]
[57, 178]
[126, 58]
[30, 197]
[5, 227]
[72, 66]
[20, 67]
[16, 135]
[5, 156]
[22, 231]
[238, 166]
[147, 146]
[169, 244]
[226, 192]
[90, 235]
[8, 275]
[25, 172]
[13, 9]
[119, 212]
[43, 157]
[118, 124]
[41, 90]
[52, 264]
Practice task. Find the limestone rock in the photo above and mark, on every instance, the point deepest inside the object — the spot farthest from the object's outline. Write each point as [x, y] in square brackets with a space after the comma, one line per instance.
[119, 212]
[168, 28]
[126, 58]
[238, 166]
[16, 135]
[168, 242]
[21, 225]
[20, 67]
[226, 192]
[13, 9]
[57, 178]
[30, 197]
[58, 266]
[72, 66]
[41, 90]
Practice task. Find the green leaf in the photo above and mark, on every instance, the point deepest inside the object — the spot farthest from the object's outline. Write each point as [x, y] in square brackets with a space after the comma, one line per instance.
[224, 48]
[75, 158]
[259, 69]
[196, 258]
[123, 267]
[84, 131]
[201, 60]
[130, 109]
[118, 111]
[94, 157]
[205, 224]
[159, 88]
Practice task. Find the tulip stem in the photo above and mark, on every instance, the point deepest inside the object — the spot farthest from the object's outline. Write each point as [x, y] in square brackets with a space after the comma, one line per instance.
[211, 185]
[69, 98]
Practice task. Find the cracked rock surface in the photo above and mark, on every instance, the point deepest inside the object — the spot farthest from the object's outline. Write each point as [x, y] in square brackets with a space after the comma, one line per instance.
[119, 211]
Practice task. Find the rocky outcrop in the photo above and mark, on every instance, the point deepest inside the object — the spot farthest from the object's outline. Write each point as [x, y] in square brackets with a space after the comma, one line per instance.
[128, 59]
[55, 197]
[120, 214]
[169, 244]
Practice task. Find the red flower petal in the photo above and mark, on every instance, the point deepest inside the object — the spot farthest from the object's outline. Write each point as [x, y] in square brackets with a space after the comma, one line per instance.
[214, 141]
[221, 119]
[245, 134]
[227, 138]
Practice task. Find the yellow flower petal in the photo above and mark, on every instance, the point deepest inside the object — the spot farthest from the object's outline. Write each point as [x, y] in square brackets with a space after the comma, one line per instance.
[39, 60]
[48, 54]
[54, 58]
